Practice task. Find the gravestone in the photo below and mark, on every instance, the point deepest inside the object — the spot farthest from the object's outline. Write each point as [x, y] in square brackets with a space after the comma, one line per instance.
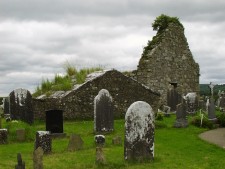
[222, 101]
[75, 143]
[5, 105]
[38, 158]
[20, 134]
[211, 110]
[103, 112]
[201, 105]
[139, 132]
[20, 105]
[3, 136]
[54, 121]
[20, 163]
[173, 97]
[181, 115]
[100, 157]
[99, 140]
[191, 102]
[44, 141]
[117, 140]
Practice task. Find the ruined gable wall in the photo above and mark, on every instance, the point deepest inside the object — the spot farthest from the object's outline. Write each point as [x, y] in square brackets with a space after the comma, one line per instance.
[171, 60]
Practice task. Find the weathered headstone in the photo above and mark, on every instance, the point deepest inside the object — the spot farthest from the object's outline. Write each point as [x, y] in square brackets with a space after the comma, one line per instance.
[191, 102]
[21, 134]
[75, 143]
[38, 158]
[44, 141]
[5, 105]
[20, 105]
[99, 140]
[173, 98]
[211, 110]
[139, 132]
[20, 163]
[117, 140]
[54, 121]
[103, 112]
[201, 105]
[3, 136]
[222, 101]
[181, 115]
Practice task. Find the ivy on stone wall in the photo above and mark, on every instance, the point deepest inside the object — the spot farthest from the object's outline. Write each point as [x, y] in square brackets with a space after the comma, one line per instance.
[160, 24]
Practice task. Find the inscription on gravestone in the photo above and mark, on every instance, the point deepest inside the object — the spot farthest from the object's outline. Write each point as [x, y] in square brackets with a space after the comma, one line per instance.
[139, 132]
[20, 105]
[103, 112]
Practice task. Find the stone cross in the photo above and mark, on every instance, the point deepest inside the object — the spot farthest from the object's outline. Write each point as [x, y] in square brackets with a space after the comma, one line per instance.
[139, 132]
[211, 86]
[103, 112]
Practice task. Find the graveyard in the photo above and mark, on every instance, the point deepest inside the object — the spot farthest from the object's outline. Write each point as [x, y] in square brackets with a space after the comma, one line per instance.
[149, 118]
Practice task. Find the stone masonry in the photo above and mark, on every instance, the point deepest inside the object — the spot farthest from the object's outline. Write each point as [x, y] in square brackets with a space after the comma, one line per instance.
[169, 61]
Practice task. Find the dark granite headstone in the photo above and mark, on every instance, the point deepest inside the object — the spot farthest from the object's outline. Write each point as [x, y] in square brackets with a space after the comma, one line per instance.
[139, 132]
[173, 98]
[75, 143]
[6, 105]
[54, 121]
[38, 158]
[44, 141]
[3, 136]
[181, 116]
[20, 162]
[20, 105]
[103, 112]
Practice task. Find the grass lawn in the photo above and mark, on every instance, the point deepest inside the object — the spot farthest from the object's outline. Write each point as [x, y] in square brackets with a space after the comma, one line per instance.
[174, 148]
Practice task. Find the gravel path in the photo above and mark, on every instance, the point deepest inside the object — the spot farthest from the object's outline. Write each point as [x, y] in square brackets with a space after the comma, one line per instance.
[216, 136]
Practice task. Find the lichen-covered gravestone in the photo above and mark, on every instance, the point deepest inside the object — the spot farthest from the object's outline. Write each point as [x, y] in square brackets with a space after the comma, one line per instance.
[38, 158]
[20, 105]
[44, 141]
[103, 112]
[191, 102]
[139, 132]
[3, 136]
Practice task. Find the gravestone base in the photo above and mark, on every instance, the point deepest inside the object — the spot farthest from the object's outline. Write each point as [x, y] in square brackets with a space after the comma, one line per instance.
[181, 123]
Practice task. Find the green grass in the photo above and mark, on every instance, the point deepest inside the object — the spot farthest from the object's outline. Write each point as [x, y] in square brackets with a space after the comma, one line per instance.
[174, 148]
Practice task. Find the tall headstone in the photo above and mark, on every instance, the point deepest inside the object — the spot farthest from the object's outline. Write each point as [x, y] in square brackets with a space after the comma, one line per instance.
[211, 110]
[20, 163]
[139, 132]
[181, 115]
[20, 105]
[173, 97]
[3, 136]
[191, 102]
[54, 121]
[38, 158]
[44, 141]
[5, 105]
[103, 112]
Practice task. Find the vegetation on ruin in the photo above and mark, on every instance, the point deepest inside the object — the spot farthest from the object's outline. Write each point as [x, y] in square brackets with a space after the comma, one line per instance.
[174, 148]
[64, 82]
[160, 24]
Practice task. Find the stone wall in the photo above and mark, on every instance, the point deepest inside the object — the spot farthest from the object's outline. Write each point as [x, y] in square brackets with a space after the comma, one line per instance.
[79, 103]
[169, 61]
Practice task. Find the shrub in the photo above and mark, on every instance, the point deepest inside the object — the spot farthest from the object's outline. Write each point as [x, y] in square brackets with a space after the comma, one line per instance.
[221, 119]
[196, 121]
[159, 116]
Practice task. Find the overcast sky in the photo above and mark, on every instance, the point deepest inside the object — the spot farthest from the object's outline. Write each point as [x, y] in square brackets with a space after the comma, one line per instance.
[37, 37]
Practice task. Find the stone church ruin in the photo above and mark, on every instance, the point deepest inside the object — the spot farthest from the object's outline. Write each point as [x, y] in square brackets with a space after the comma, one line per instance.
[167, 59]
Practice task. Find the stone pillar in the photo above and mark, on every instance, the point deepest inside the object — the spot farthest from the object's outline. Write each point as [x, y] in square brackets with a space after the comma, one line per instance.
[139, 132]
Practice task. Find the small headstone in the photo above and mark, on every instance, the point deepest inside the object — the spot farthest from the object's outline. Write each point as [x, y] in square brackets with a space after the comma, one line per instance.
[3, 136]
[139, 132]
[75, 143]
[20, 134]
[103, 112]
[100, 158]
[181, 115]
[20, 162]
[44, 141]
[20, 105]
[117, 140]
[38, 158]
[99, 140]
